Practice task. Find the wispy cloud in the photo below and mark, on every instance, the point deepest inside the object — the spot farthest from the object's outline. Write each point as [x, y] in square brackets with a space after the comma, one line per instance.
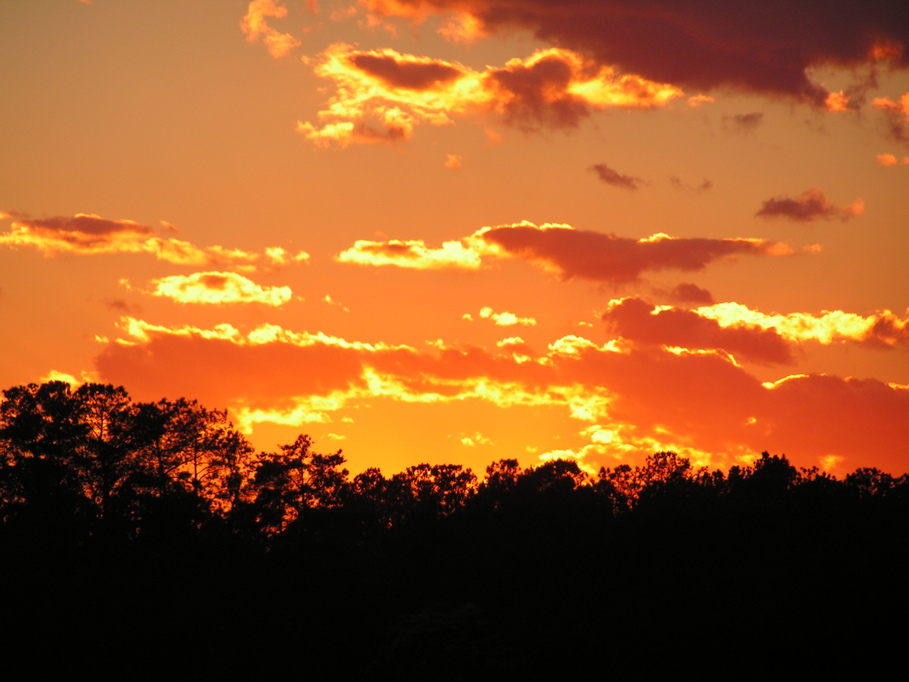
[86, 234]
[811, 204]
[256, 27]
[614, 178]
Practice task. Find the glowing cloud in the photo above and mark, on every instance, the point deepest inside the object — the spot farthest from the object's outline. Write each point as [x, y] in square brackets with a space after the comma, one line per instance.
[882, 329]
[218, 288]
[635, 319]
[697, 100]
[896, 113]
[890, 160]
[411, 254]
[810, 205]
[505, 319]
[380, 95]
[255, 27]
[86, 234]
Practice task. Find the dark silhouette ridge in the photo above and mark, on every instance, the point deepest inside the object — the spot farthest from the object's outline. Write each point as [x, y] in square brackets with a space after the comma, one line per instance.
[132, 531]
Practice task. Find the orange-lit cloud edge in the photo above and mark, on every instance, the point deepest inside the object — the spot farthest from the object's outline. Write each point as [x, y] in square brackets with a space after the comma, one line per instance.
[632, 394]
[562, 250]
[380, 95]
[87, 234]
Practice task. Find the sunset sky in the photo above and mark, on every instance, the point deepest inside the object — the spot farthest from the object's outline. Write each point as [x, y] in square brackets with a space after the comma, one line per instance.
[456, 231]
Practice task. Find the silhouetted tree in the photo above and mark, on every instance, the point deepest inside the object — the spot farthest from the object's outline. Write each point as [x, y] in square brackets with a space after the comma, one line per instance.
[296, 479]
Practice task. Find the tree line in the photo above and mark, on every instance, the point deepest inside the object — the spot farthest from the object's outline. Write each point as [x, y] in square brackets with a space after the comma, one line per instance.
[94, 463]
[144, 528]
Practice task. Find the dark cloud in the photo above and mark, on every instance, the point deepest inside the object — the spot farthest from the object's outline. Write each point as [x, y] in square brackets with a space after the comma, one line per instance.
[812, 204]
[743, 123]
[691, 293]
[605, 257]
[409, 74]
[764, 46]
[685, 187]
[538, 93]
[612, 177]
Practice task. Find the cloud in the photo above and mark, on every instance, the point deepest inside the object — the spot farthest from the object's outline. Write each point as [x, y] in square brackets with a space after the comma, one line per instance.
[562, 250]
[812, 204]
[254, 26]
[697, 100]
[505, 319]
[411, 254]
[687, 292]
[596, 256]
[704, 44]
[699, 189]
[612, 177]
[216, 288]
[890, 160]
[883, 329]
[452, 161]
[743, 123]
[751, 334]
[896, 115]
[87, 234]
[635, 319]
[630, 398]
[381, 95]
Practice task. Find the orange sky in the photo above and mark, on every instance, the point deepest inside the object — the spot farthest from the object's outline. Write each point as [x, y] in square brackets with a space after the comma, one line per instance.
[459, 231]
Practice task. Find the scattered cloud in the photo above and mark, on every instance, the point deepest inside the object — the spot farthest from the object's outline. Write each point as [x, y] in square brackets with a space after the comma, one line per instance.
[87, 234]
[472, 441]
[616, 179]
[452, 161]
[381, 95]
[216, 288]
[811, 204]
[255, 27]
